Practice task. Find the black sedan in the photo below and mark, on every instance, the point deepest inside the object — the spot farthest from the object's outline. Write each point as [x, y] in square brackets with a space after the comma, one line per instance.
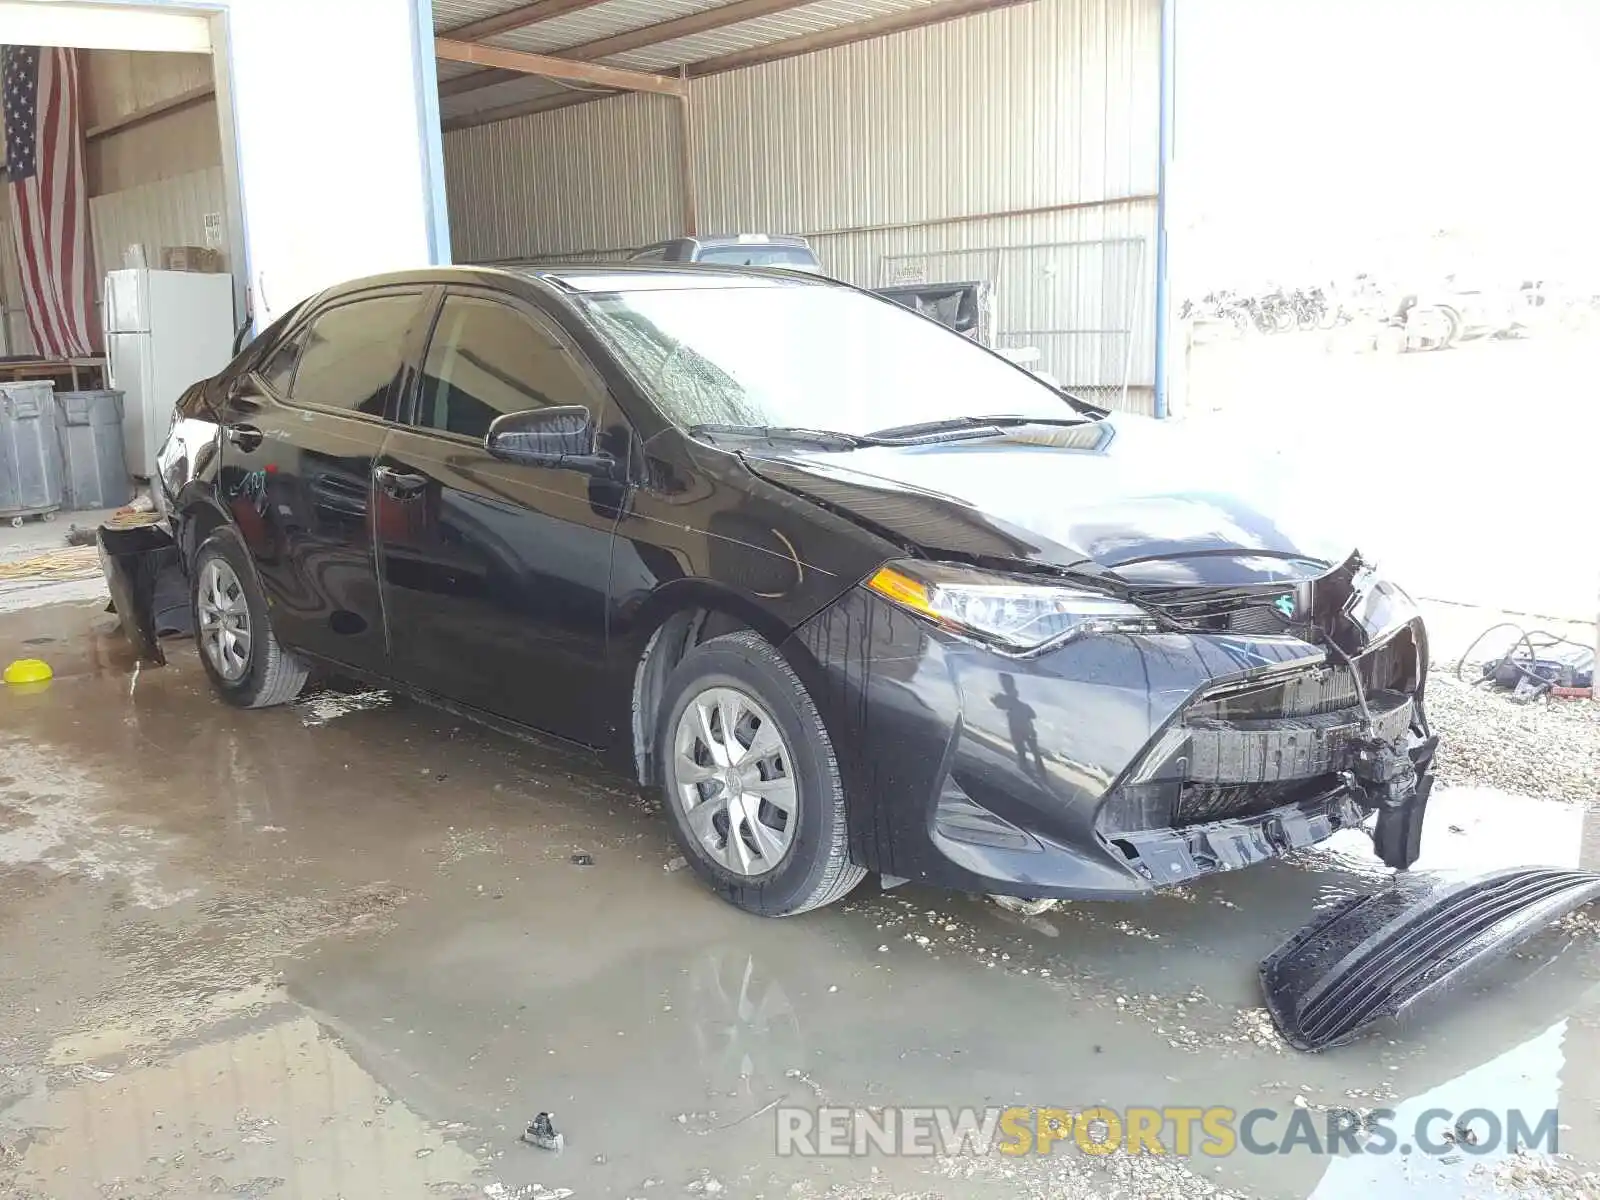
[851, 591]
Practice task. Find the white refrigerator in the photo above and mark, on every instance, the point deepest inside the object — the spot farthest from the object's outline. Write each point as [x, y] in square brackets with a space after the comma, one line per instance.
[164, 331]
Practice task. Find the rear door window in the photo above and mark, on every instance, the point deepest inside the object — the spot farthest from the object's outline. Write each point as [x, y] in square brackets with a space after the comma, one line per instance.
[487, 359]
[352, 354]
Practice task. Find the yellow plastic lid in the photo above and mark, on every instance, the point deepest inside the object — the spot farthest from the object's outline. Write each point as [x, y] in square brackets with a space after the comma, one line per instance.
[28, 670]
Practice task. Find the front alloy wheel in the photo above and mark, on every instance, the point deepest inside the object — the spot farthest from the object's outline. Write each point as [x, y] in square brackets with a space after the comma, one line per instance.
[752, 784]
[733, 776]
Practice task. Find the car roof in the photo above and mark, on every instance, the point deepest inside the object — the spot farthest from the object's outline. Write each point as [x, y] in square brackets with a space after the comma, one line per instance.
[587, 277]
[655, 276]
[733, 239]
[750, 239]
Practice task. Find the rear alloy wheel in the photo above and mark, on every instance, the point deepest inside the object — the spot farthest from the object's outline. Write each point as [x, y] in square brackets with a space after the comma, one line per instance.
[752, 784]
[224, 623]
[246, 664]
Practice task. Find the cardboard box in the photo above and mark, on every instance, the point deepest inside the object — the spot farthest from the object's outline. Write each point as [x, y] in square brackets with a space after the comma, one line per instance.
[192, 258]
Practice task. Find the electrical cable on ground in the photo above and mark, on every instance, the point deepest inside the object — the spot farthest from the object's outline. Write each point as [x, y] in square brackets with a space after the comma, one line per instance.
[1532, 641]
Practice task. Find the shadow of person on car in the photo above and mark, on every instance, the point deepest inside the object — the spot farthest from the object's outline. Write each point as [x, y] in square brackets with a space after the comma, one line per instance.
[1020, 719]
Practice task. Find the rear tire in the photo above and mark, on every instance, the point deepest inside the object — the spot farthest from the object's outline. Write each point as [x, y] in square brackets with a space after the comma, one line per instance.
[740, 740]
[252, 670]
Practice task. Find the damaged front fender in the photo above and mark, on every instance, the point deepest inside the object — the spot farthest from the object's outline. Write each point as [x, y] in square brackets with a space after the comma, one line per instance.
[1379, 957]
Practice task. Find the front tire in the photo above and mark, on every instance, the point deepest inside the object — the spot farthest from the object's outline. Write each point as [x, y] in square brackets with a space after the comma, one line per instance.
[246, 663]
[751, 780]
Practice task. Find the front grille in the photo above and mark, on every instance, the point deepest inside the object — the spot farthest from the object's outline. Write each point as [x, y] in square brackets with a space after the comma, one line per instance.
[1225, 612]
[1308, 693]
[1242, 750]
[1391, 667]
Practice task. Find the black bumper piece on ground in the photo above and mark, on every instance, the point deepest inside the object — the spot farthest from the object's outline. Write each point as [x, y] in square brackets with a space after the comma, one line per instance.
[133, 560]
[1378, 957]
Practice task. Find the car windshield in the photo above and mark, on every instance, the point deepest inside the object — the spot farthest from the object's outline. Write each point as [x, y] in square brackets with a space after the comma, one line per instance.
[820, 358]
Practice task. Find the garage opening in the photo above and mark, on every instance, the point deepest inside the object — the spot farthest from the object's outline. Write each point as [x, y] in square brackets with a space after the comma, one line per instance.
[1009, 145]
[120, 243]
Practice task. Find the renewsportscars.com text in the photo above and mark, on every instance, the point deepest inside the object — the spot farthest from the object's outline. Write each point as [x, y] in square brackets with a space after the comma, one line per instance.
[1172, 1129]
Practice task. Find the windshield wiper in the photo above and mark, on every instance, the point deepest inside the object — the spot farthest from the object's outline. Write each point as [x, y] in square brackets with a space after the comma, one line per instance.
[971, 426]
[829, 439]
[948, 430]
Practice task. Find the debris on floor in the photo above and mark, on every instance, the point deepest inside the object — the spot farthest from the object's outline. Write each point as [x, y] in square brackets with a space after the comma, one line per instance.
[1024, 908]
[706, 1185]
[543, 1133]
[675, 864]
[1538, 663]
[582, 859]
[527, 1191]
[76, 562]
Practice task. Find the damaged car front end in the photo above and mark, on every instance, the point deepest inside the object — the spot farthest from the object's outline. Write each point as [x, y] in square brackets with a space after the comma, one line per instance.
[1287, 752]
[1205, 729]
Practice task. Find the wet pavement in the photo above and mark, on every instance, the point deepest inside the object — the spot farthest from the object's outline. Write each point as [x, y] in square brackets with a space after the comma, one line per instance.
[342, 949]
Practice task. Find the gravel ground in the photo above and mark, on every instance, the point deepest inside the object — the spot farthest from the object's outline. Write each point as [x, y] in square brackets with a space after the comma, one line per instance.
[1549, 749]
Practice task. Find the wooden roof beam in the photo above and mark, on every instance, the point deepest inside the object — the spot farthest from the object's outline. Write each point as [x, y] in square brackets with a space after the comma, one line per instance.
[843, 35]
[551, 67]
[636, 39]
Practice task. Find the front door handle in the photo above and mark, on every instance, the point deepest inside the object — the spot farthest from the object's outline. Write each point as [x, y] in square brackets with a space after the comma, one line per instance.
[400, 484]
[246, 437]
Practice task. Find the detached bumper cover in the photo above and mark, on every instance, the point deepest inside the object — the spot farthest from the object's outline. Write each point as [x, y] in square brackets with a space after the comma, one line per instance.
[132, 561]
[1378, 957]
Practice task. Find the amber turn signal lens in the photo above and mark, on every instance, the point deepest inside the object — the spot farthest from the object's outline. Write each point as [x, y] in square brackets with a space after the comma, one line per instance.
[903, 590]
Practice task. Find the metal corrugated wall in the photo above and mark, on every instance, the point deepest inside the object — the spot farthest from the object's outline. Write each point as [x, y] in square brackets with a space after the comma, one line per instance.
[600, 176]
[1021, 142]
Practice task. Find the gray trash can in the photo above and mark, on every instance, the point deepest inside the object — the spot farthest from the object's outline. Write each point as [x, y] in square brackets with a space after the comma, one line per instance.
[30, 455]
[94, 471]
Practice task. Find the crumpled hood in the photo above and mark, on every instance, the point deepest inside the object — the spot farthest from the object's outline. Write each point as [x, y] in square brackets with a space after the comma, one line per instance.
[1160, 506]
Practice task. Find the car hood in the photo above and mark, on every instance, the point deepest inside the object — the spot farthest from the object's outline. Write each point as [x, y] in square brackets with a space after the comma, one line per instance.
[1156, 505]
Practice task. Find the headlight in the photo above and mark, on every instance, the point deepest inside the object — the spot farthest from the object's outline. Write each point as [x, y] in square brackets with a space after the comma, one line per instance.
[1015, 612]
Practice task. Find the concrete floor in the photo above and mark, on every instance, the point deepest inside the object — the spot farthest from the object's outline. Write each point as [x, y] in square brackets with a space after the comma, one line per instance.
[34, 538]
[341, 949]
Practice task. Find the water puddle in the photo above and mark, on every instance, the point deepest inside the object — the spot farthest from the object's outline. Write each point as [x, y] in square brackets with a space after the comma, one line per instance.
[282, 1110]
[321, 707]
[54, 822]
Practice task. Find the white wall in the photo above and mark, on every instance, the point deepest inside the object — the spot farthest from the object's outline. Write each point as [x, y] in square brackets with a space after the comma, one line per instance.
[330, 142]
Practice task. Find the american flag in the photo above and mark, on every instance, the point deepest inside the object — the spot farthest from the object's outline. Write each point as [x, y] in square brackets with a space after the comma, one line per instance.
[49, 195]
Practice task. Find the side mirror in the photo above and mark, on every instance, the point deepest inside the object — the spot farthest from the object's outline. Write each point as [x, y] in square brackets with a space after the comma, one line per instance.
[562, 436]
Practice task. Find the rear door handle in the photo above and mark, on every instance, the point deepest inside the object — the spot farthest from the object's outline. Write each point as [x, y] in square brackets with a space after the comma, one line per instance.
[400, 484]
[246, 437]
